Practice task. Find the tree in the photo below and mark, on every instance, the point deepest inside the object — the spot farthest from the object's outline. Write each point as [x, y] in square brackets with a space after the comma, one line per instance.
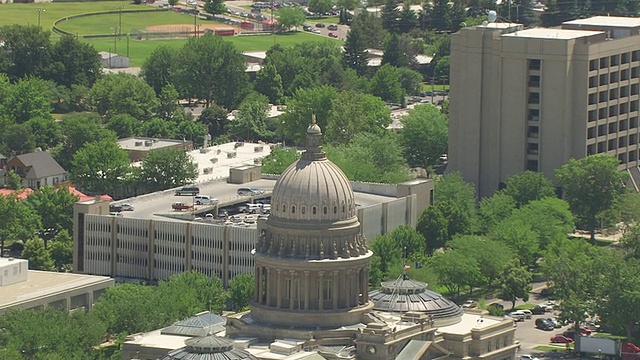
[591, 185]
[398, 52]
[528, 186]
[18, 139]
[279, 160]
[123, 94]
[215, 7]
[124, 125]
[55, 207]
[455, 270]
[157, 69]
[424, 136]
[167, 168]
[408, 19]
[26, 51]
[159, 128]
[457, 15]
[519, 237]
[79, 129]
[28, 98]
[46, 131]
[13, 181]
[409, 240]
[387, 251]
[290, 17]
[19, 221]
[250, 124]
[127, 308]
[100, 167]
[494, 209]
[434, 227]
[458, 198]
[241, 289]
[353, 113]
[491, 256]
[441, 71]
[390, 16]
[356, 56]
[515, 283]
[74, 62]
[386, 85]
[37, 255]
[191, 130]
[205, 60]
[370, 26]
[440, 16]
[216, 118]
[550, 218]
[61, 250]
[269, 83]
[319, 7]
[300, 108]
[410, 80]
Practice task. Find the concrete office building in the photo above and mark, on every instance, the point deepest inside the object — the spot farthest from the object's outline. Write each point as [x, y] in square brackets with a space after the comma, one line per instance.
[532, 99]
[21, 288]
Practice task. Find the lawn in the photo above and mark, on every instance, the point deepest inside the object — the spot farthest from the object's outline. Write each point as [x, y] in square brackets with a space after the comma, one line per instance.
[104, 24]
[140, 50]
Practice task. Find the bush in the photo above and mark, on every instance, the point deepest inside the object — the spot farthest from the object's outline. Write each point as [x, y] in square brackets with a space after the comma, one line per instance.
[495, 310]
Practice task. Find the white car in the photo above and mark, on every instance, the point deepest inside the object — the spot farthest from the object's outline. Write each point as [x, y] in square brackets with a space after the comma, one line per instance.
[528, 357]
[517, 315]
[126, 207]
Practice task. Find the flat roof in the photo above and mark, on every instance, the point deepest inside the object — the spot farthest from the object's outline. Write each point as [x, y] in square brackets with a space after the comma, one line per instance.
[146, 144]
[470, 321]
[607, 21]
[544, 33]
[41, 284]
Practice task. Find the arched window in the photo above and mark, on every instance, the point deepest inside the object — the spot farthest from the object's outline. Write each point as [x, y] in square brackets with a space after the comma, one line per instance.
[293, 209]
[314, 210]
[324, 210]
[284, 208]
[344, 208]
[335, 209]
[303, 209]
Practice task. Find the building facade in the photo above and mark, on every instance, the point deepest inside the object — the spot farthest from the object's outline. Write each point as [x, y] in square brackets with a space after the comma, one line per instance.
[533, 99]
[36, 169]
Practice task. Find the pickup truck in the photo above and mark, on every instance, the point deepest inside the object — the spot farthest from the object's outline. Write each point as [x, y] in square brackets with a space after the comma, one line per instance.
[178, 206]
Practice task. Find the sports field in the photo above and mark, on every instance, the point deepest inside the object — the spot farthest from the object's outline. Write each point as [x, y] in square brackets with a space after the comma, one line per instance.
[138, 50]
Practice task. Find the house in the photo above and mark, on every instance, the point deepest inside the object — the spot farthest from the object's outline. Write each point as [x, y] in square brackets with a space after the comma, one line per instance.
[36, 169]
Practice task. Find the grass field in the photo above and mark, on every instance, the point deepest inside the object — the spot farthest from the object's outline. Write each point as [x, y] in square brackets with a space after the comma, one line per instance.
[103, 24]
[24, 14]
[139, 50]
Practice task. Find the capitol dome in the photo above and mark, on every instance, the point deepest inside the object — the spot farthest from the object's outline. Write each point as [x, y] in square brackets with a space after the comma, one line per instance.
[313, 188]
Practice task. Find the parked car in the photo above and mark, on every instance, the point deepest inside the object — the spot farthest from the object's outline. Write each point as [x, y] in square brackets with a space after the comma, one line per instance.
[561, 339]
[179, 206]
[306, 28]
[527, 314]
[469, 304]
[250, 219]
[188, 190]
[204, 200]
[538, 310]
[517, 315]
[544, 324]
[528, 357]
[115, 208]
[320, 25]
[333, 35]
[249, 191]
[315, 31]
[556, 323]
[126, 207]
[208, 217]
[591, 326]
[332, 27]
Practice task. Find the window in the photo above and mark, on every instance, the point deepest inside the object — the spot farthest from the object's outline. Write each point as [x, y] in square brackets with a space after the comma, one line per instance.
[592, 115]
[613, 94]
[615, 60]
[635, 72]
[534, 64]
[534, 81]
[624, 91]
[635, 56]
[593, 65]
[327, 290]
[314, 210]
[284, 208]
[602, 113]
[624, 108]
[324, 210]
[602, 130]
[634, 89]
[591, 149]
[593, 81]
[293, 209]
[532, 165]
[611, 144]
[534, 114]
[613, 77]
[604, 62]
[591, 133]
[303, 209]
[604, 79]
[622, 158]
[335, 209]
[624, 74]
[532, 149]
[634, 105]
[622, 125]
[602, 96]
[633, 122]
[633, 155]
[622, 142]
[601, 147]
[533, 132]
[534, 98]
[633, 139]
[624, 58]
[613, 110]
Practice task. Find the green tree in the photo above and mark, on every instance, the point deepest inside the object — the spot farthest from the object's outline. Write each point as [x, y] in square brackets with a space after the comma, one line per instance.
[124, 125]
[17, 139]
[211, 69]
[528, 186]
[127, 308]
[370, 26]
[409, 240]
[167, 168]
[458, 15]
[424, 135]
[290, 17]
[519, 237]
[13, 181]
[28, 98]
[241, 289]
[123, 94]
[19, 221]
[168, 107]
[408, 19]
[46, 131]
[390, 16]
[279, 160]
[353, 113]
[37, 255]
[386, 85]
[74, 62]
[191, 130]
[515, 283]
[549, 217]
[159, 128]
[100, 167]
[55, 207]
[216, 118]
[61, 250]
[491, 256]
[590, 185]
[441, 71]
[434, 227]
[455, 270]
[494, 209]
[356, 56]
[251, 122]
[440, 16]
[319, 7]
[269, 83]
[79, 129]
[30, 49]
[388, 252]
[215, 7]
[157, 69]
[398, 52]
[300, 107]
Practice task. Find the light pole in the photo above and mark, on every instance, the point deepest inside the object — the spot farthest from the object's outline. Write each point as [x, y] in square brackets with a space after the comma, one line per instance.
[119, 20]
[39, 11]
[195, 20]
[115, 37]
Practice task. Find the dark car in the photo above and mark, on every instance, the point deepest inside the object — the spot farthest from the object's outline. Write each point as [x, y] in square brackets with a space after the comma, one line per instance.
[319, 25]
[332, 27]
[544, 324]
[333, 35]
[115, 208]
[188, 190]
[306, 28]
[538, 310]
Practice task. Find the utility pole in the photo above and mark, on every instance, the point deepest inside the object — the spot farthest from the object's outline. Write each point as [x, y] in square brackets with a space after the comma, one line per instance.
[39, 11]
[115, 38]
[119, 21]
[195, 20]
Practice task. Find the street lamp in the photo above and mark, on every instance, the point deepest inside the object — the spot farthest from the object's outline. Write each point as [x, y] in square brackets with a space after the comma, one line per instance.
[120, 20]
[39, 11]
[115, 37]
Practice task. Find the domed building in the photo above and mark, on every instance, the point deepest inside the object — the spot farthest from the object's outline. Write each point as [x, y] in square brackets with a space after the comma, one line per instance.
[312, 264]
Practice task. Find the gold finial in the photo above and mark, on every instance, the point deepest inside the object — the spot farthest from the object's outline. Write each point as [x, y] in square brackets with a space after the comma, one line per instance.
[313, 118]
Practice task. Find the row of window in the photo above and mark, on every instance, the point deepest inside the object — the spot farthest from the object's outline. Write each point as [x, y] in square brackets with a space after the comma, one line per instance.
[613, 94]
[314, 209]
[614, 77]
[613, 60]
[603, 147]
[613, 110]
[610, 128]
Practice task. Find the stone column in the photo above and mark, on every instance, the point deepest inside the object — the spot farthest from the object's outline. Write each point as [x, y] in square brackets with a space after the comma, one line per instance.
[291, 292]
[306, 290]
[279, 290]
[320, 290]
[365, 285]
[269, 285]
[335, 289]
[257, 295]
[358, 279]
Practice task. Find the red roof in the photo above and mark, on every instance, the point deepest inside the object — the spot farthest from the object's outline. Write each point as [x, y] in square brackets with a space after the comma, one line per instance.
[82, 197]
[19, 194]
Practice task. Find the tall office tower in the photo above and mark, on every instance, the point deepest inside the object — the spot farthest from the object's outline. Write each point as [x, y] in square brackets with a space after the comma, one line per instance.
[532, 99]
